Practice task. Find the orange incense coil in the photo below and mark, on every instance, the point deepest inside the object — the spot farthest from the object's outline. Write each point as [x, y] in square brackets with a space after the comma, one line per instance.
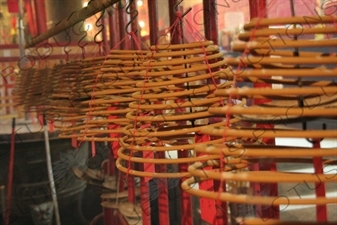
[250, 150]
[21, 85]
[28, 89]
[199, 174]
[64, 77]
[112, 89]
[172, 106]
[299, 27]
[252, 154]
[305, 96]
[167, 139]
[270, 48]
[310, 94]
[66, 107]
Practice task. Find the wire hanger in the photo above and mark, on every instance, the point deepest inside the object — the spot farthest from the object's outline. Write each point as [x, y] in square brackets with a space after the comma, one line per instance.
[299, 83]
[133, 17]
[85, 34]
[68, 38]
[102, 27]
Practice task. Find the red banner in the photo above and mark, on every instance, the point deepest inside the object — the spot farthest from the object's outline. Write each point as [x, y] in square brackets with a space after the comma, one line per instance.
[13, 6]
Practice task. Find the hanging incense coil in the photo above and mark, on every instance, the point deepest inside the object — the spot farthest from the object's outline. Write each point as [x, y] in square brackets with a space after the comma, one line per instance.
[251, 154]
[172, 106]
[197, 170]
[63, 75]
[20, 85]
[28, 90]
[69, 109]
[310, 94]
[110, 94]
[305, 97]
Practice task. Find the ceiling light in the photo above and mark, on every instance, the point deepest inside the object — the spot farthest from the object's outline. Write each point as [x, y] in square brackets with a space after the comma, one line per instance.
[139, 3]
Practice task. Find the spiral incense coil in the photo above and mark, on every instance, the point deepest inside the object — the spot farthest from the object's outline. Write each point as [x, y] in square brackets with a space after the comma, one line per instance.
[28, 89]
[192, 88]
[22, 85]
[318, 98]
[304, 97]
[266, 47]
[197, 170]
[77, 114]
[285, 110]
[114, 84]
[309, 94]
[171, 107]
[68, 93]
[64, 100]
[61, 98]
[249, 150]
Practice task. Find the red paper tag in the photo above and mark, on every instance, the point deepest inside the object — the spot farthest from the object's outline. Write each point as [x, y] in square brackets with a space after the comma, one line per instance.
[40, 119]
[207, 206]
[51, 126]
[93, 149]
[74, 142]
[148, 167]
[115, 144]
[13, 6]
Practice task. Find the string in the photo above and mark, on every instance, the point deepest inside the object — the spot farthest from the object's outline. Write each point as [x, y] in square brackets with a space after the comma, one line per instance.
[137, 43]
[146, 78]
[230, 100]
[309, 8]
[269, 6]
[179, 28]
[193, 30]
[97, 52]
[200, 37]
[92, 98]
[222, 156]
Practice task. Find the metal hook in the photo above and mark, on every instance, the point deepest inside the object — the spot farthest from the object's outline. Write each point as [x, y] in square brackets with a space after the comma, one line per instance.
[66, 52]
[99, 25]
[89, 2]
[176, 6]
[67, 37]
[176, 9]
[80, 31]
[71, 15]
[85, 35]
[127, 10]
[304, 127]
